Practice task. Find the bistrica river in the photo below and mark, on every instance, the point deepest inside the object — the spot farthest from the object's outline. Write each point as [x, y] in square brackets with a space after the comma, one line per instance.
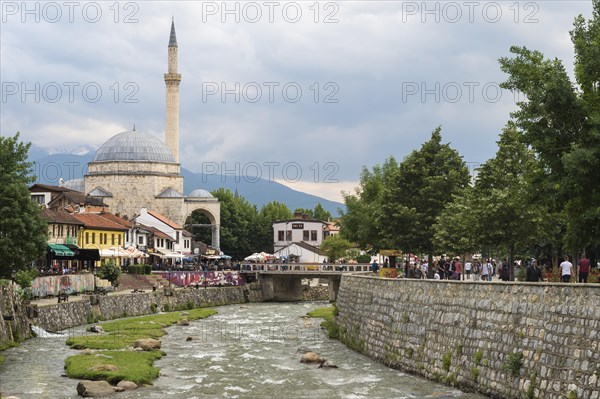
[245, 351]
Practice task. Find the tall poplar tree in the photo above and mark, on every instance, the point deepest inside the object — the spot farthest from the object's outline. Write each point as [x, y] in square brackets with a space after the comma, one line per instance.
[23, 232]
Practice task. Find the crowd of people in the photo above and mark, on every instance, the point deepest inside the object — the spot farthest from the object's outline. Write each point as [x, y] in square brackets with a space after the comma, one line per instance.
[486, 269]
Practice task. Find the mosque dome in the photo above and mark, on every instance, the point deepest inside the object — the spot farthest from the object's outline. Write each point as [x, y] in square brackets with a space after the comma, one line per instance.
[134, 146]
[200, 193]
[75, 184]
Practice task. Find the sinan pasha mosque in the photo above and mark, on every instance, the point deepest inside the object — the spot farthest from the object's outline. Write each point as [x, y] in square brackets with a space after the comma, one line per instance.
[134, 170]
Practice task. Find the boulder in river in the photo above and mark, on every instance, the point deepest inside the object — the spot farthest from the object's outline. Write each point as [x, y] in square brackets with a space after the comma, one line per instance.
[310, 357]
[327, 364]
[184, 322]
[94, 389]
[189, 338]
[104, 367]
[126, 386]
[96, 329]
[147, 344]
[303, 349]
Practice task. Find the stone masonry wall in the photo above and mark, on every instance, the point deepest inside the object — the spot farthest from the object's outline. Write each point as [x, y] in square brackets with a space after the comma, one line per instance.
[14, 325]
[505, 340]
[97, 307]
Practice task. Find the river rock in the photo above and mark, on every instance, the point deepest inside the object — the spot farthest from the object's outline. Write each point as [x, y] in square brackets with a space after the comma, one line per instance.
[147, 344]
[189, 338]
[9, 397]
[96, 329]
[94, 389]
[310, 357]
[184, 314]
[126, 385]
[184, 322]
[327, 364]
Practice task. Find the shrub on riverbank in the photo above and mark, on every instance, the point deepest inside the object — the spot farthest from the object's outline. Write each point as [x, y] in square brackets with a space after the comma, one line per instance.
[328, 315]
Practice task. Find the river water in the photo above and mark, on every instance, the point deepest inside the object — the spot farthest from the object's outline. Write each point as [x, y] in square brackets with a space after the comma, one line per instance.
[245, 351]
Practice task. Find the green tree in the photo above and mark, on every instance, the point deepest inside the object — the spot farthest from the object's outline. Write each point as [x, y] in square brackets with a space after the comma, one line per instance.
[359, 224]
[560, 120]
[502, 212]
[335, 247]
[417, 192]
[110, 271]
[23, 232]
[454, 230]
[319, 213]
[269, 213]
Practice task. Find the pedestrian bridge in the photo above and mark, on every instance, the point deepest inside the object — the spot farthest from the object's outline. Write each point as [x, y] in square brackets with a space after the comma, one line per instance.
[283, 281]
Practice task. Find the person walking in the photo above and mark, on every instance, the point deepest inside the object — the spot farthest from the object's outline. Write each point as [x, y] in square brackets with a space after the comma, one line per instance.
[505, 270]
[534, 273]
[584, 269]
[374, 268]
[476, 268]
[566, 269]
[468, 266]
[485, 270]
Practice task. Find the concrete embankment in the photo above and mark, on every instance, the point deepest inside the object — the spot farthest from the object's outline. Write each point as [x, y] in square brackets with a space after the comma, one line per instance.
[506, 340]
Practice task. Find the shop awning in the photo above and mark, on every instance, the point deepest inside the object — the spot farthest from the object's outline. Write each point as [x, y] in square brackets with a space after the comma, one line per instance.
[60, 250]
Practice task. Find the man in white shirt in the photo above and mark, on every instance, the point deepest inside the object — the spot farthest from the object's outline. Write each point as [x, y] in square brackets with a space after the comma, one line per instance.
[566, 269]
[424, 268]
[485, 271]
[468, 265]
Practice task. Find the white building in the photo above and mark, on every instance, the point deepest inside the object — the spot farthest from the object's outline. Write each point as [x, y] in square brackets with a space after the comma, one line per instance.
[178, 239]
[304, 252]
[286, 232]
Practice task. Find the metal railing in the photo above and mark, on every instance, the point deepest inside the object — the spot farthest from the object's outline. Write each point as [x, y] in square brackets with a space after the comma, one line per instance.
[304, 267]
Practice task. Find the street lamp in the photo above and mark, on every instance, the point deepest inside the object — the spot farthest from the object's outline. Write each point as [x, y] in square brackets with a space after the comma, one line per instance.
[95, 272]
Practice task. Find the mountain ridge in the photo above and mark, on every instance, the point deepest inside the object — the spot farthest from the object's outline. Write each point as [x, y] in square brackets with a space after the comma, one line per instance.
[258, 191]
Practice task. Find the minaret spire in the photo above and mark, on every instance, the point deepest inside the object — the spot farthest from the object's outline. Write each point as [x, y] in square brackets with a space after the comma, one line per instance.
[173, 38]
[172, 80]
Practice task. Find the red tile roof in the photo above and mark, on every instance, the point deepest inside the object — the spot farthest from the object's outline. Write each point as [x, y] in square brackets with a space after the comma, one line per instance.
[95, 221]
[117, 219]
[165, 220]
[60, 216]
[156, 232]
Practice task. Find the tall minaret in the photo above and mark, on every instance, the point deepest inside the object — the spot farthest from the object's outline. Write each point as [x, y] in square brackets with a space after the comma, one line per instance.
[172, 79]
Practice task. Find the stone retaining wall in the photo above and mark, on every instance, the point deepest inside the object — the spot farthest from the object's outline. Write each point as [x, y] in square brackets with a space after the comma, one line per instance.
[505, 340]
[14, 325]
[98, 307]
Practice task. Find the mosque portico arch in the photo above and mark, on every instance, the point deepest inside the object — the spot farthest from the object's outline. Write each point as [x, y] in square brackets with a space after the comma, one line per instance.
[212, 210]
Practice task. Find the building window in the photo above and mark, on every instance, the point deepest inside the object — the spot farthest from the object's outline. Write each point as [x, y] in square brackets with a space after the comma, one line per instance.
[105, 238]
[280, 235]
[288, 235]
[112, 239]
[87, 237]
[53, 229]
[305, 235]
[40, 199]
[325, 234]
[313, 235]
[119, 238]
[140, 240]
[93, 238]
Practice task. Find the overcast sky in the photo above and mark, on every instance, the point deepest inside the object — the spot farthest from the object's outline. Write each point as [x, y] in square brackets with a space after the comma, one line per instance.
[323, 88]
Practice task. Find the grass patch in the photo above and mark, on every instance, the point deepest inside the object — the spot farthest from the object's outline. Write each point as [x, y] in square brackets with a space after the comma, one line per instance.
[514, 362]
[1, 360]
[8, 345]
[328, 315]
[477, 357]
[121, 334]
[474, 373]
[446, 361]
[131, 366]
[114, 364]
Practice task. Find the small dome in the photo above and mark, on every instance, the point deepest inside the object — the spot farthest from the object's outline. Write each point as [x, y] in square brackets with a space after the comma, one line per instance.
[200, 193]
[75, 184]
[134, 146]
